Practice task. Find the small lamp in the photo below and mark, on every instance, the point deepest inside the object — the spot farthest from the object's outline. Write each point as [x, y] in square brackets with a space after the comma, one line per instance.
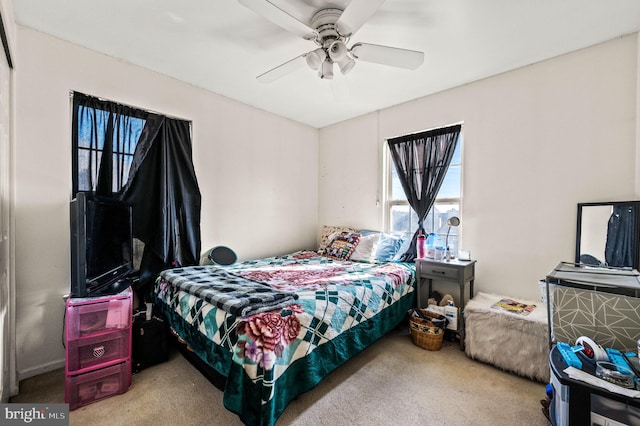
[346, 64]
[452, 221]
[339, 54]
[337, 51]
[326, 69]
[315, 58]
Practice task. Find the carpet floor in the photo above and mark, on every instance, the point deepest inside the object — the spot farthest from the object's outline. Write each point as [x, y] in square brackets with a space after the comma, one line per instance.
[392, 382]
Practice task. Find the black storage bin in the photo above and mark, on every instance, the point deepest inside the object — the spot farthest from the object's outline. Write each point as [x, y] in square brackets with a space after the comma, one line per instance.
[150, 342]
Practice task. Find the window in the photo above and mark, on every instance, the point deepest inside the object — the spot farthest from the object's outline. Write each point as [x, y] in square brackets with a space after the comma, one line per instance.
[402, 219]
[95, 121]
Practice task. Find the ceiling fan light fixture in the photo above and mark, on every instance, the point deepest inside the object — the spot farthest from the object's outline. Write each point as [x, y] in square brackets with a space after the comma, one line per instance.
[315, 58]
[338, 50]
[331, 29]
[326, 71]
[346, 64]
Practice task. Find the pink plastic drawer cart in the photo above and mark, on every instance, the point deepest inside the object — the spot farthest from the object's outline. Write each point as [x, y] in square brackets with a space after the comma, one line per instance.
[98, 347]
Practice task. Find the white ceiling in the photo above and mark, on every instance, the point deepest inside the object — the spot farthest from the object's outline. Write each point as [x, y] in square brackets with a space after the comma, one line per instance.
[222, 46]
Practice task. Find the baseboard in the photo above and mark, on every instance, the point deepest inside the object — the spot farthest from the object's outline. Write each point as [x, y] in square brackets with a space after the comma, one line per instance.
[41, 369]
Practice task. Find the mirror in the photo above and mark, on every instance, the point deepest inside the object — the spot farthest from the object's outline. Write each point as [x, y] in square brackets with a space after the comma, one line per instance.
[608, 234]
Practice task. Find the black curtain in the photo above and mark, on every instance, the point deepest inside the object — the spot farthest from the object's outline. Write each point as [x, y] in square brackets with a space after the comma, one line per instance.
[421, 161]
[164, 191]
[161, 185]
[618, 250]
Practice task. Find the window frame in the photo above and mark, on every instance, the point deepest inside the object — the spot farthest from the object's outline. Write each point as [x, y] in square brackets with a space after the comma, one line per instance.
[76, 149]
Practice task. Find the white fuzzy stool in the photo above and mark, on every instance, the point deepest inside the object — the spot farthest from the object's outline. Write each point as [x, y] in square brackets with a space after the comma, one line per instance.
[512, 342]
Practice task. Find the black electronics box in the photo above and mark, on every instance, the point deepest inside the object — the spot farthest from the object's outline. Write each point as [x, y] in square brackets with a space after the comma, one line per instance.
[150, 342]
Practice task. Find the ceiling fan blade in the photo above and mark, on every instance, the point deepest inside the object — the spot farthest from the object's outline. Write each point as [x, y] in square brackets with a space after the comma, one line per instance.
[356, 14]
[283, 69]
[385, 55]
[279, 17]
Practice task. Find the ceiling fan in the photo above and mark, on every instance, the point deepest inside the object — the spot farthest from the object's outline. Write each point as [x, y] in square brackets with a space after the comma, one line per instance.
[331, 29]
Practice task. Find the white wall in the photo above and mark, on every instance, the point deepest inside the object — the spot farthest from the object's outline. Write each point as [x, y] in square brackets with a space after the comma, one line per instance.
[257, 174]
[537, 141]
[6, 9]
[349, 182]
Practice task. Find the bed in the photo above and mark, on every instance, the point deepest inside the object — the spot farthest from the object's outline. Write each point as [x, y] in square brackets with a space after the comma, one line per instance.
[316, 313]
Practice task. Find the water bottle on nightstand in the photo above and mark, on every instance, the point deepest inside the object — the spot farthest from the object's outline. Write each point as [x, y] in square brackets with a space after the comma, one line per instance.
[435, 247]
[420, 245]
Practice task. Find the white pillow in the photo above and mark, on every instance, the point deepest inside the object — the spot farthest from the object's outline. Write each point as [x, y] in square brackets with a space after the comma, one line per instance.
[366, 249]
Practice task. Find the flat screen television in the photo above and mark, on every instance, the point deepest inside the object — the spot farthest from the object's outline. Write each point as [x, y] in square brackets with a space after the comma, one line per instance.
[101, 245]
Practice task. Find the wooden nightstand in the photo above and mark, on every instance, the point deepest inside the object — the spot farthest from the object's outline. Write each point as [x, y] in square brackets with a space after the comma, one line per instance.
[459, 271]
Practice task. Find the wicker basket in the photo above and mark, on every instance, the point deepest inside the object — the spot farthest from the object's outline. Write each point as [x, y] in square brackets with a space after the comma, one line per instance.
[425, 333]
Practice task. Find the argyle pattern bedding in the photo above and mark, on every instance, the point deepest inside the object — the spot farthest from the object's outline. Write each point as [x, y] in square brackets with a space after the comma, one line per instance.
[271, 357]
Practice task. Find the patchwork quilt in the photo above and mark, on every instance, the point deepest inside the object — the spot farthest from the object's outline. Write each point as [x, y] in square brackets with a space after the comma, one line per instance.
[270, 357]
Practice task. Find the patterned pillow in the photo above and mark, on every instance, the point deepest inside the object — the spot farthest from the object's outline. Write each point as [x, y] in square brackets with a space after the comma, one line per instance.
[341, 247]
[328, 234]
